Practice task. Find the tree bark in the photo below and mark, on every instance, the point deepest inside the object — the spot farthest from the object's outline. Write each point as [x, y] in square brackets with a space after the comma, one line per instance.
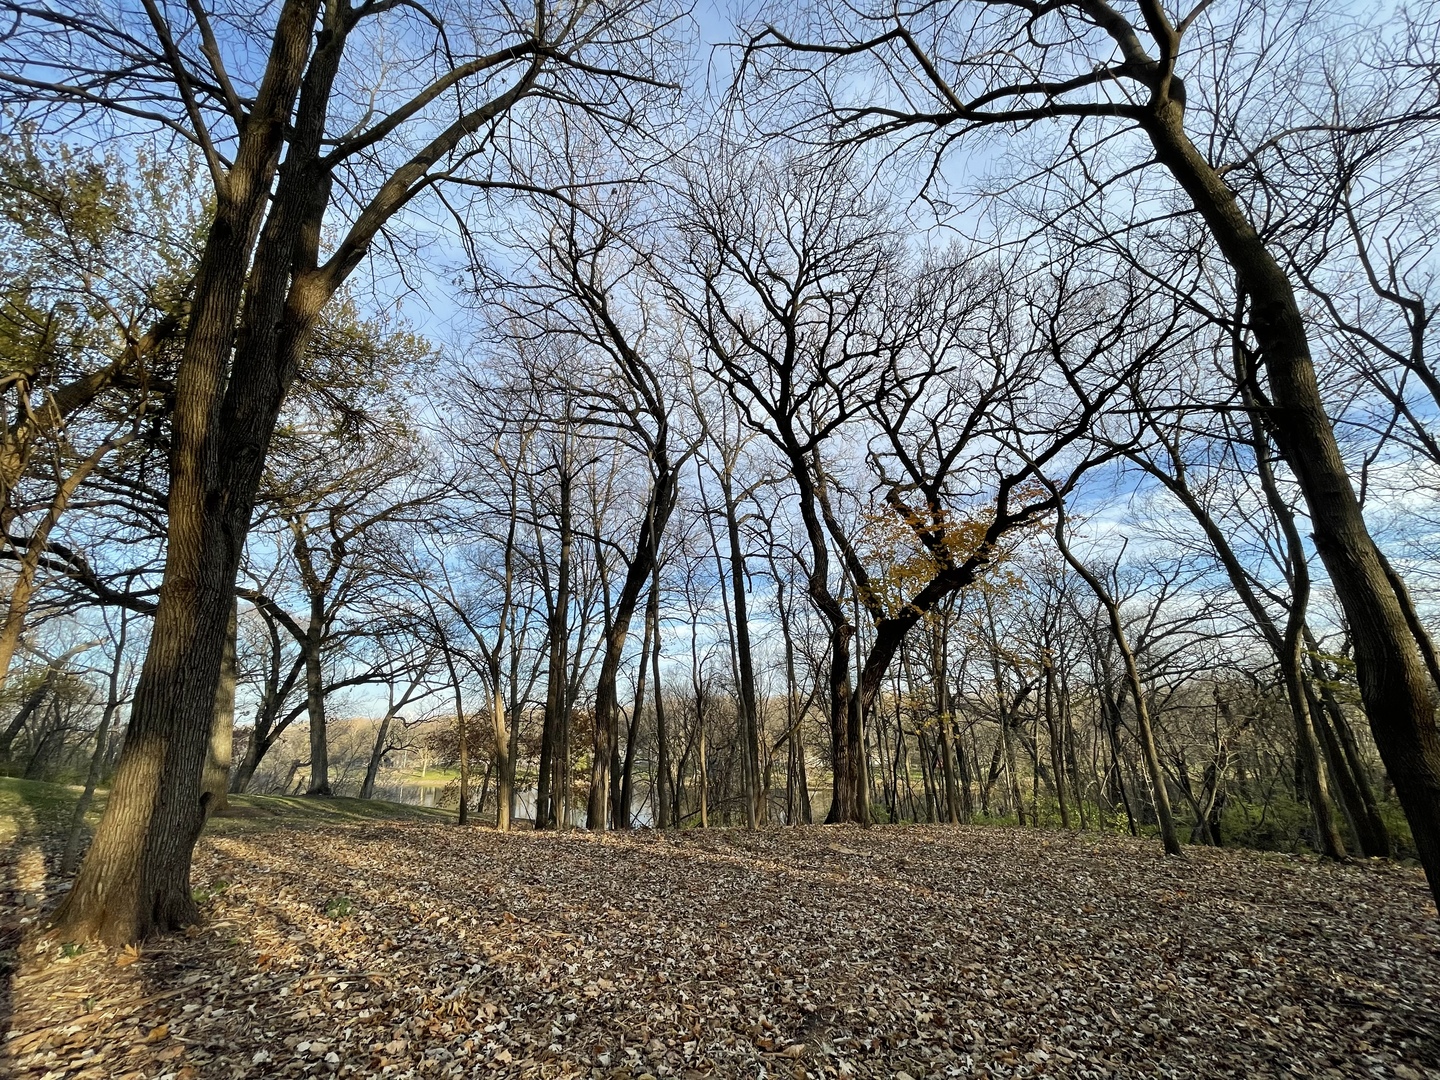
[1395, 683]
[216, 782]
[377, 755]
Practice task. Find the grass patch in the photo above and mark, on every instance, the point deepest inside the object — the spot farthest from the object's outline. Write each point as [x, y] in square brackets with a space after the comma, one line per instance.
[30, 808]
[35, 809]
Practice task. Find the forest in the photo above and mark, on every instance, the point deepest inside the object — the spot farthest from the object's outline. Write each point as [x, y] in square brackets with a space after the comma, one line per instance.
[563, 451]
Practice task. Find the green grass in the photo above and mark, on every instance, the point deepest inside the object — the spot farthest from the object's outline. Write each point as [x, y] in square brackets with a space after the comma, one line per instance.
[247, 812]
[32, 808]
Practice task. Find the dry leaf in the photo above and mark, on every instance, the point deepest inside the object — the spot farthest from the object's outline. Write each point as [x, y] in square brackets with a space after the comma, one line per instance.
[958, 951]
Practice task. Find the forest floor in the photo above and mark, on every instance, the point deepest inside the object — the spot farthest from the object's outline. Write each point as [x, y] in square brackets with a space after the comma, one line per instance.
[407, 948]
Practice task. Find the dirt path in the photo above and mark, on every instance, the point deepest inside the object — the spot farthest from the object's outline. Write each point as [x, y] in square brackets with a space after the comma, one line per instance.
[416, 950]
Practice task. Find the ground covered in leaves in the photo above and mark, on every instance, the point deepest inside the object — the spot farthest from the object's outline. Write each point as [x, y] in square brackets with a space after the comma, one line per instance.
[419, 950]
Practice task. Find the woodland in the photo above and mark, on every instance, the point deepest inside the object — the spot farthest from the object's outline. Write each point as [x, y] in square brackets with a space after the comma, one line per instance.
[622, 537]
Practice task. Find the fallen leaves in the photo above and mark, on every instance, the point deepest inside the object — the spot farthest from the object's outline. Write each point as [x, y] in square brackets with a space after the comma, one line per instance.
[890, 952]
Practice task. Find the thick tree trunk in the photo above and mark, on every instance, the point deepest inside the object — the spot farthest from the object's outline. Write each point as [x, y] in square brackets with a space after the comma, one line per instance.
[136, 877]
[843, 806]
[1395, 683]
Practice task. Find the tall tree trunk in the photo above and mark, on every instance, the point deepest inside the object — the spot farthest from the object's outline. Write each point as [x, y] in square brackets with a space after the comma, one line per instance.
[1115, 775]
[624, 817]
[843, 802]
[462, 814]
[315, 700]
[1395, 681]
[504, 760]
[657, 513]
[662, 740]
[1317, 788]
[551, 780]
[941, 676]
[1371, 830]
[136, 876]
[1007, 718]
[756, 807]
[1151, 754]
[1057, 765]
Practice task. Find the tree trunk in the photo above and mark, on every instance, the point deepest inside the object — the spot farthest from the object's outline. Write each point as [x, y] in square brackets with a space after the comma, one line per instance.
[1148, 749]
[1057, 765]
[216, 783]
[32, 703]
[377, 755]
[657, 513]
[504, 760]
[624, 817]
[1371, 831]
[315, 701]
[756, 798]
[942, 715]
[1395, 683]
[548, 803]
[662, 741]
[462, 814]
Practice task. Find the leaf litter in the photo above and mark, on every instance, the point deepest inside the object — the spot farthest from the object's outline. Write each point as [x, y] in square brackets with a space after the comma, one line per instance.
[419, 950]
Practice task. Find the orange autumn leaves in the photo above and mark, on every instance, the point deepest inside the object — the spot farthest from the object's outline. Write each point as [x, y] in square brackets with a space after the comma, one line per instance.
[905, 549]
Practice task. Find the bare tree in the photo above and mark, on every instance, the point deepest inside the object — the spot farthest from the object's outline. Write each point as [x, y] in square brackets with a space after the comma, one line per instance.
[262, 281]
[957, 69]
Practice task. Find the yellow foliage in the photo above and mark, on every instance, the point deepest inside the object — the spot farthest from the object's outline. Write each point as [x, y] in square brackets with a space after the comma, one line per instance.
[907, 549]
